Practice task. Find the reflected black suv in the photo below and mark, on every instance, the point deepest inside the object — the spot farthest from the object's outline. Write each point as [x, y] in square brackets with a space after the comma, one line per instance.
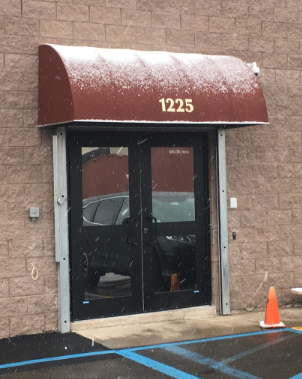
[171, 253]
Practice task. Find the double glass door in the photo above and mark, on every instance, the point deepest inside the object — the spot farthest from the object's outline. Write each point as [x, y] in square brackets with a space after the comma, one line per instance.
[138, 223]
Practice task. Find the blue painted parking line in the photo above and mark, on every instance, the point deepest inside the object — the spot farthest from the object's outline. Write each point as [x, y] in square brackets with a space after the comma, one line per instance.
[54, 359]
[201, 359]
[256, 349]
[299, 376]
[160, 367]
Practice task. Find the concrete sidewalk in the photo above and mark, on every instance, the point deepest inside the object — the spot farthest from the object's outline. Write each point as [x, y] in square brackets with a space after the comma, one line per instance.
[152, 329]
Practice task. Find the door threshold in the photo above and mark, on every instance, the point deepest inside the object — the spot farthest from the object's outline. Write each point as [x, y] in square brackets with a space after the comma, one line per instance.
[205, 311]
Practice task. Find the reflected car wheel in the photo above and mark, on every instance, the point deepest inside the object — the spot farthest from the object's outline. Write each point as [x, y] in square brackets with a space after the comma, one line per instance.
[91, 276]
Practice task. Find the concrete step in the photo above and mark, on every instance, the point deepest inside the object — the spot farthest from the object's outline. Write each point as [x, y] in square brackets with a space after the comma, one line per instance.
[146, 318]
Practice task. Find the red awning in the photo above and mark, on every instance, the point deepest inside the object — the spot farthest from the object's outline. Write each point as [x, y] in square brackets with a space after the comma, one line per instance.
[110, 85]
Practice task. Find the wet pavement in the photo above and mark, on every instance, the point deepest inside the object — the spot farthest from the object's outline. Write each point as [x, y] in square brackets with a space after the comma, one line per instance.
[270, 354]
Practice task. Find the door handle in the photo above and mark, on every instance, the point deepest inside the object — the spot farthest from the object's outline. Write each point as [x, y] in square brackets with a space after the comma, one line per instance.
[153, 228]
[128, 222]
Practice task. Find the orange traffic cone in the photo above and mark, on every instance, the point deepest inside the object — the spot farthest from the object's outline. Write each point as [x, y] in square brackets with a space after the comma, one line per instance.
[174, 283]
[272, 318]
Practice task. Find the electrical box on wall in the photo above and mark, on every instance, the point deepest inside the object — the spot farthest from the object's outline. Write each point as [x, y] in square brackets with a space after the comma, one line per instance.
[34, 212]
[233, 202]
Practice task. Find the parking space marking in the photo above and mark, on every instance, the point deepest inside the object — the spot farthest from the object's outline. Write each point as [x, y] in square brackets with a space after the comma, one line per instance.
[203, 360]
[299, 376]
[54, 359]
[155, 365]
[256, 349]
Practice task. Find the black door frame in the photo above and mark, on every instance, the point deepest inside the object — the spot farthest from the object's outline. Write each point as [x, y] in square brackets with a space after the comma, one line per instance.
[79, 309]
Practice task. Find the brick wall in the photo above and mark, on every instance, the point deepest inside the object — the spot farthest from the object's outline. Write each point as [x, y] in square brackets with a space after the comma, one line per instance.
[264, 163]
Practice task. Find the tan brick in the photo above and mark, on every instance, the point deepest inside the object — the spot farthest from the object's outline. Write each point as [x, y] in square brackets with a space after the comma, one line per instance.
[298, 248]
[10, 118]
[89, 31]
[279, 123]
[252, 218]
[265, 201]
[13, 306]
[4, 328]
[24, 137]
[11, 156]
[238, 138]
[246, 187]
[26, 248]
[231, 155]
[287, 46]
[51, 284]
[274, 60]
[291, 201]
[21, 26]
[60, 29]
[294, 62]
[208, 8]
[21, 62]
[239, 172]
[21, 100]
[11, 268]
[194, 22]
[243, 235]
[208, 42]
[280, 248]
[180, 6]
[243, 300]
[38, 192]
[234, 10]
[42, 303]
[292, 263]
[30, 118]
[149, 35]
[30, 81]
[24, 324]
[149, 5]
[282, 280]
[45, 265]
[288, 77]
[121, 33]
[47, 174]
[278, 217]
[4, 249]
[10, 7]
[246, 283]
[37, 9]
[136, 18]
[251, 154]
[291, 170]
[221, 25]
[276, 154]
[4, 288]
[248, 27]
[290, 231]
[274, 29]
[295, 155]
[179, 37]
[11, 44]
[294, 123]
[242, 267]
[247, 56]
[288, 108]
[288, 298]
[273, 92]
[72, 12]
[11, 82]
[105, 15]
[165, 20]
[261, 13]
[271, 265]
[233, 219]
[254, 250]
[267, 76]
[236, 42]
[51, 322]
[297, 216]
[262, 44]
[40, 229]
[24, 174]
[25, 286]
[283, 14]
[289, 139]
[294, 31]
[37, 155]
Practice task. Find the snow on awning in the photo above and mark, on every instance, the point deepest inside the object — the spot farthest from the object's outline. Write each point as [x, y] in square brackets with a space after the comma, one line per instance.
[111, 85]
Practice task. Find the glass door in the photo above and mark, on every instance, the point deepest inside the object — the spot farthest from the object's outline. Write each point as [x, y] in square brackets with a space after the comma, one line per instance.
[138, 223]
